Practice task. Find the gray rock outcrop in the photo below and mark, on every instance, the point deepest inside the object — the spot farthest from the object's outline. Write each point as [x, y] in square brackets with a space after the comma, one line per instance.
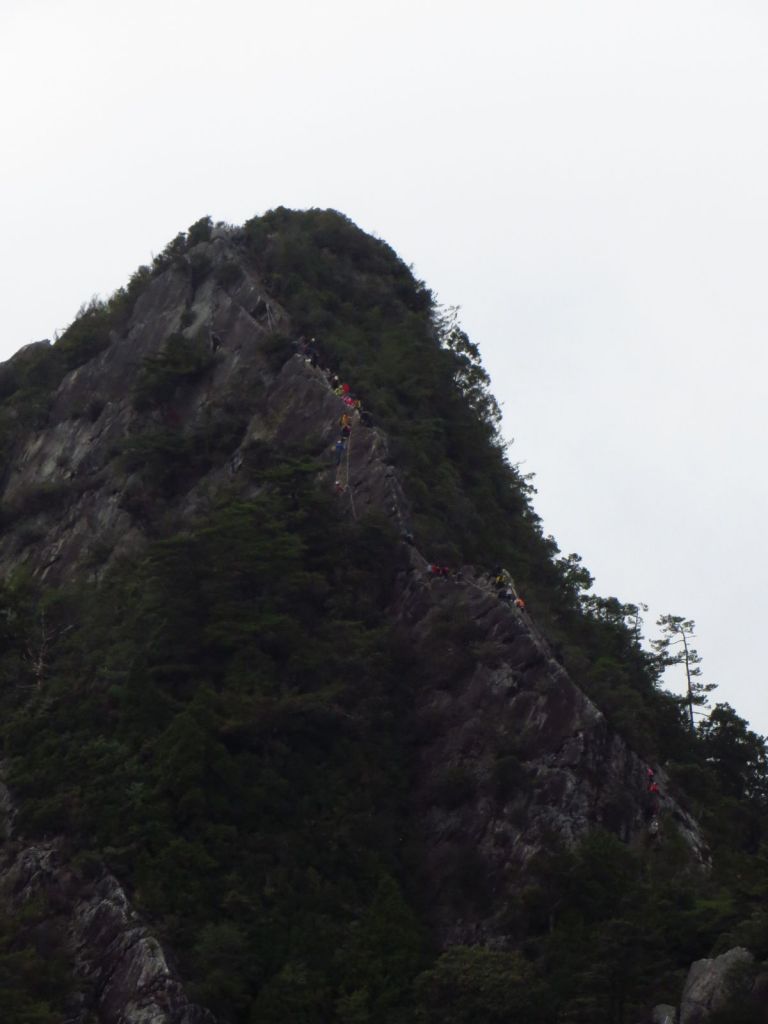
[663, 1014]
[123, 973]
[711, 983]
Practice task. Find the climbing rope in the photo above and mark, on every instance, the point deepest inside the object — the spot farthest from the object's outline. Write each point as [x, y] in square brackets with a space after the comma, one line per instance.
[346, 485]
[483, 590]
[478, 586]
[342, 485]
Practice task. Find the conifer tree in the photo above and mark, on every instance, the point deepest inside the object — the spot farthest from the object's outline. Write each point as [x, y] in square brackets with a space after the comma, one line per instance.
[677, 632]
[469, 374]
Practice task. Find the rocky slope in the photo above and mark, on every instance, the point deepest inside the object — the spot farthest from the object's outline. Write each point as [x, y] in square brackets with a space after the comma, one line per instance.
[122, 972]
[512, 756]
[534, 761]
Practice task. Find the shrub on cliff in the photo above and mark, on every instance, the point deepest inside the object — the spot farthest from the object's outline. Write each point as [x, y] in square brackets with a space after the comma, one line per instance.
[181, 361]
[88, 335]
[200, 231]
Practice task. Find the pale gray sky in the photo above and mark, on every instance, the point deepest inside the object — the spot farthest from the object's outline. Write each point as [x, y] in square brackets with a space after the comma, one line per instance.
[587, 179]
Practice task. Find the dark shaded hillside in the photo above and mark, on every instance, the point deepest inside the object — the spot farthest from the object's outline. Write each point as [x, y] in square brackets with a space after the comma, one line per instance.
[337, 789]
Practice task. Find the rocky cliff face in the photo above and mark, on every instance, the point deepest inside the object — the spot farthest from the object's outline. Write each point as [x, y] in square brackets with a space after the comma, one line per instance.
[121, 971]
[712, 983]
[71, 504]
[529, 761]
[512, 755]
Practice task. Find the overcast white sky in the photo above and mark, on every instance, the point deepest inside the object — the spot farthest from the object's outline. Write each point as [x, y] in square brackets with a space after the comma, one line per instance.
[587, 179]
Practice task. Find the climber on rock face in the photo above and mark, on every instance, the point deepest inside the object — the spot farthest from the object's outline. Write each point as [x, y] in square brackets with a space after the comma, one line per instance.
[502, 578]
[339, 450]
[520, 604]
[654, 797]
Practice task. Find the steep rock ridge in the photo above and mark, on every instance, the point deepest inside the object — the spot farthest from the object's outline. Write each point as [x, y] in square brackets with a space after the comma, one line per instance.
[303, 410]
[511, 756]
[513, 759]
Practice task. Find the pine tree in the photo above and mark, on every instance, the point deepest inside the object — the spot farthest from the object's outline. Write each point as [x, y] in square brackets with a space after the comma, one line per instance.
[677, 632]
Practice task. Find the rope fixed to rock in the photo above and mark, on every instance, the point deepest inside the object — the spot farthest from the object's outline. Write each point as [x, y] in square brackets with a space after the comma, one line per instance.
[347, 487]
[343, 472]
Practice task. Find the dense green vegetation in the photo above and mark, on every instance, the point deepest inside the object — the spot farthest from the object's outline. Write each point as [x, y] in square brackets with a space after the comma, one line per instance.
[35, 980]
[223, 731]
[225, 720]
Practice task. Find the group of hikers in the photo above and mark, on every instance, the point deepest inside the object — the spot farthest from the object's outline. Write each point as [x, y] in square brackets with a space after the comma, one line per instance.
[310, 352]
[505, 585]
[654, 802]
[444, 571]
[501, 578]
